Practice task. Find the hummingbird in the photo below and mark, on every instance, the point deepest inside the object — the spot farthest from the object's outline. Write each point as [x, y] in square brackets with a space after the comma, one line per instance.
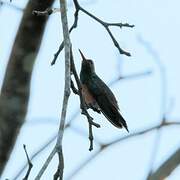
[98, 96]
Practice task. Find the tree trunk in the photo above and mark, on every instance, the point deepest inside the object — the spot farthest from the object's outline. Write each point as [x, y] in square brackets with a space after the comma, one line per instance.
[16, 86]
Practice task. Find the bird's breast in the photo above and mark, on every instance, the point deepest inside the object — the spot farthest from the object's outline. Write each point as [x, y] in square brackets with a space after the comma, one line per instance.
[87, 95]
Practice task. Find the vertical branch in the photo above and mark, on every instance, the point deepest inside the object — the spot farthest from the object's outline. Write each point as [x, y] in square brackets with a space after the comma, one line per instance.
[58, 147]
[67, 46]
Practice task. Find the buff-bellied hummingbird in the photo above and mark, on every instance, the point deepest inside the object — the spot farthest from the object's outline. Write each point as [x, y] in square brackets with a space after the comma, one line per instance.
[97, 94]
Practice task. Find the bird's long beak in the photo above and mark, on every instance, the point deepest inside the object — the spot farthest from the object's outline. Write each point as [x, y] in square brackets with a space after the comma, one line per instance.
[82, 55]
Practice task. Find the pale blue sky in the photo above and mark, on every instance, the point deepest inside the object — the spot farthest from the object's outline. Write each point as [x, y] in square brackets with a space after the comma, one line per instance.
[157, 22]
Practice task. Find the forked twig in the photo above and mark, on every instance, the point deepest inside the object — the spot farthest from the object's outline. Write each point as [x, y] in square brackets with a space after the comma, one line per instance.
[30, 165]
[106, 25]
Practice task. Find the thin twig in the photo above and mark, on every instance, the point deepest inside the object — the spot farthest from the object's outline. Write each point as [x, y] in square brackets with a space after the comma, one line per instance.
[106, 25]
[45, 145]
[29, 163]
[74, 25]
[40, 150]
[83, 133]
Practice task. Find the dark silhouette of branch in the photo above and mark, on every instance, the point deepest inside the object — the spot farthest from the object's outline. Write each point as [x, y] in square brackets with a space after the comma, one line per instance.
[59, 171]
[106, 25]
[167, 167]
[46, 145]
[74, 25]
[29, 164]
[35, 155]
[15, 89]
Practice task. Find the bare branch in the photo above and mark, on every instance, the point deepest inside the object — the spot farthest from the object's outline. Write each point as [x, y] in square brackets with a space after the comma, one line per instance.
[59, 172]
[45, 145]
[58, 146]
[40, 150]
[29, 163]
[48, 160]
[106, 25]
[74, 25]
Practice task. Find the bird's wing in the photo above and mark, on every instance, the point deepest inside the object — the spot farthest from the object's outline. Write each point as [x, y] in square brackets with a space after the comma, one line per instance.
[99, 88]
[106, 101]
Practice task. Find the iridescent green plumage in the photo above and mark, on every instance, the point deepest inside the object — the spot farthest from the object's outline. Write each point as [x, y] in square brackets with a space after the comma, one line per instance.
[102, 94]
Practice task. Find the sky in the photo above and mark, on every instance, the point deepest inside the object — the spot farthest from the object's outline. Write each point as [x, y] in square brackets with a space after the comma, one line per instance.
[155, 38]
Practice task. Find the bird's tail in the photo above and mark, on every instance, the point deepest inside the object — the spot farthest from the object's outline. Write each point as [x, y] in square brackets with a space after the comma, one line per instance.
[122, 122]
[116, 118]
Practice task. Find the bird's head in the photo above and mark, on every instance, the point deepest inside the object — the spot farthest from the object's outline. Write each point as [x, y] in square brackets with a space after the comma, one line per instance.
[87, 64]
